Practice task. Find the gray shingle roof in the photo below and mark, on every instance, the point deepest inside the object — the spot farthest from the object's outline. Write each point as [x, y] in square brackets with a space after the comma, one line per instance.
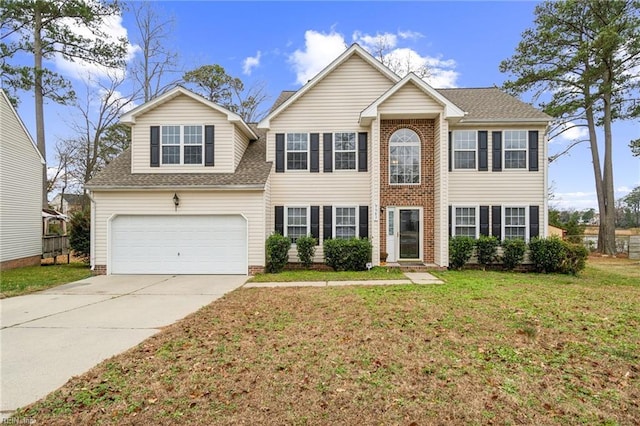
[486, 103]
[253, 171]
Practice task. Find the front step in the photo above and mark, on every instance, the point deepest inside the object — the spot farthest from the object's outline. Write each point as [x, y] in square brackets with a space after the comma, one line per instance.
[415, 266]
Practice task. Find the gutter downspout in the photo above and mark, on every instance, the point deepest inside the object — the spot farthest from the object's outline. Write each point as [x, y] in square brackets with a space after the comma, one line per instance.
[92, 236]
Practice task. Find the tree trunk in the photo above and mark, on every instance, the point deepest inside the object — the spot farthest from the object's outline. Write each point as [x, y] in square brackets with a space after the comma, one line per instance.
[39, 99]
[607, 234]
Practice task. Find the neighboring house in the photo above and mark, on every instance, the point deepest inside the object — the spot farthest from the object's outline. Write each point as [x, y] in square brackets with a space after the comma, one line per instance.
[555, 231]
[67, 203]
[20, 191]
[357, 151]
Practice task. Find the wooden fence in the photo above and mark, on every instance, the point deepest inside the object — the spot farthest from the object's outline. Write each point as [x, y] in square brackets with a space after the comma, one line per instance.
[55, 245]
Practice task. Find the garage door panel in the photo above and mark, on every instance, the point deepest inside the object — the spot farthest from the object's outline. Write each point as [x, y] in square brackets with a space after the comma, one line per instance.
[179, 245]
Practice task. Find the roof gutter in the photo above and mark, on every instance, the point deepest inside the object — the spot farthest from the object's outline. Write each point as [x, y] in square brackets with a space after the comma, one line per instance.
[253, 187]
[504, 120]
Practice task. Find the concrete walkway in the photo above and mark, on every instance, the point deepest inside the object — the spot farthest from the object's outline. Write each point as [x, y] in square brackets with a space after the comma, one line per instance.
[412, 278]
[51, 336]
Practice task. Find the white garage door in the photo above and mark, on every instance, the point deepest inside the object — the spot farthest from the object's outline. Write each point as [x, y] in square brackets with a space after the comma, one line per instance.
[179, 245]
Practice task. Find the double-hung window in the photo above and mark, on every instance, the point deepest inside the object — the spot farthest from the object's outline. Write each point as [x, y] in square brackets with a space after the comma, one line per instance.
[346, 222]
[515, 149]
[465, 145]
[344, 145]
[515, 223]
[297, 223]
[404, 157]
[181, 144]
[297, 151]
[466, 222]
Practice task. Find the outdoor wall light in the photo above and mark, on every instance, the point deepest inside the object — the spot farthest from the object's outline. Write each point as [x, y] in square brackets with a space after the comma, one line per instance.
[176, 201]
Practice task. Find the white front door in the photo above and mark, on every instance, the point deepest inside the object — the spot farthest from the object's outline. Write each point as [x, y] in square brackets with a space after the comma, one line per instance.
[404, 233]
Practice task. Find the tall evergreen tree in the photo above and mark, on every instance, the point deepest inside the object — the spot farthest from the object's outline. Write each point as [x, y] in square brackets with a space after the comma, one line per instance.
[43, 29]
[581, 61]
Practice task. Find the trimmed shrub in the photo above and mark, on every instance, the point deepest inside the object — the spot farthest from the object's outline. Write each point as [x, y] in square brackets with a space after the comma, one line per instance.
[347, 255]
[80, 233]
[487, 250]
[575, 259]
[460, 251]
[306, 249]
[513, 253]
[277, 252]
[547, 254]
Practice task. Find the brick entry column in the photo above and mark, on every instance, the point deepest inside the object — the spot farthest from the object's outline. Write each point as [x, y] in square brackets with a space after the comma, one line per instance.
[421, 195]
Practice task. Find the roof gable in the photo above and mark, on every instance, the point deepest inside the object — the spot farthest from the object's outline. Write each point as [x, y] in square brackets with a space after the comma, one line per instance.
[232, 117]
[355, 49]
[450, 109]
[6, 100]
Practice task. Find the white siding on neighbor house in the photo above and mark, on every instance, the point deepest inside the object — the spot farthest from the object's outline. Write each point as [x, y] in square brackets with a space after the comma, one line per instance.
[374, 230]
[182, 110]
[240, 144]
[20, 189]
[248, 203]
[333, 105]
[409, 101]
[441, 224]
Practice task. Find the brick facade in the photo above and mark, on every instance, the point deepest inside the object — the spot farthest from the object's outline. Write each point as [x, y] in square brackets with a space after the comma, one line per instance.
[100, 270]
[19, 263]
[421, 195]
[255, 269]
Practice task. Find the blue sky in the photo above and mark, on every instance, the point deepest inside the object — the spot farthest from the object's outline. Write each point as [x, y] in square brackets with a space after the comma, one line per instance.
[284, 43]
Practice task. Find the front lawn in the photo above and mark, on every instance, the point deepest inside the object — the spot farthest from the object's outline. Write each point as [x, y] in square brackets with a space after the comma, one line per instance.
[19, 281]
[485, 348]
[375, 273]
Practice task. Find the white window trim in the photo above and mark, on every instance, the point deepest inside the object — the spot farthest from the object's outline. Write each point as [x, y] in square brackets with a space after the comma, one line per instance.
[333, 224]
[286, 219]
[355, 150]
[453, 151]
[526, 151]
[526, 220]
[286, 152]
[467, 206]
[181, 145]
[419, 162]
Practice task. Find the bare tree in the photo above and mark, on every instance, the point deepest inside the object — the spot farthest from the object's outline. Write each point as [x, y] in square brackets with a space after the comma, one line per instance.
[249, 102]
[91, 148]
[400, 61]
[158, 67]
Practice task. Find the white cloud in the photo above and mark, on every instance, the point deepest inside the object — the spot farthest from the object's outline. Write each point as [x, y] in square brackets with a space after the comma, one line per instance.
[574, 200]
[572, 132]
[320, 50]
[82, 70]
[250, 63]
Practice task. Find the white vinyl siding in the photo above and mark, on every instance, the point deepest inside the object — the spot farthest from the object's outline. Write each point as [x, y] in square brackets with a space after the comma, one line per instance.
[249, 204]
[408, 100]
[241, 142]
[182, 110]
[20, 189]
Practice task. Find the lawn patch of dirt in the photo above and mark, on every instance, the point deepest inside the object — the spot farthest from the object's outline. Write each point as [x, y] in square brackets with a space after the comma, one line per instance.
[485, 348]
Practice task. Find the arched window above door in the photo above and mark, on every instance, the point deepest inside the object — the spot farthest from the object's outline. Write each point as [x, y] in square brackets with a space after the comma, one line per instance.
[404, 157]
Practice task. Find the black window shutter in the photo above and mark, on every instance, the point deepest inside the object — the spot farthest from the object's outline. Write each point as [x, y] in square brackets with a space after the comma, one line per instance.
[534, 222]
[497, 151]
[155, 146]
[484, 220]
[364, 222]
[496, 222]
[450, 219]
[533, 150]
[209, 145]
[483, 155]
[279, 228]
[279, 152]
[327, 142]
[315, 153]
[450, 158]
[362, 152]
[327, 224]
[315, 222]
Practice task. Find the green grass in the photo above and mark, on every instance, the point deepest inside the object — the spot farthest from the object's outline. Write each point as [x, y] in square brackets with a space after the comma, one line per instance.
[19, 281]
[376, 273]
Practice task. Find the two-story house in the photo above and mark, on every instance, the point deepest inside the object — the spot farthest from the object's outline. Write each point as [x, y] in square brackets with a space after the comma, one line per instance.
[357, 151]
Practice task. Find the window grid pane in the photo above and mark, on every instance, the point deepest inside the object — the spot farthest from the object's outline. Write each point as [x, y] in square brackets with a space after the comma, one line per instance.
[465, 221]
[345, 222]
[345, 151]
[296, 222]
[464, 149]
[193, 155]
[193, 135]
[515, 149]
[170, 135]
[515, 224]
[170, 155]
[297, 149]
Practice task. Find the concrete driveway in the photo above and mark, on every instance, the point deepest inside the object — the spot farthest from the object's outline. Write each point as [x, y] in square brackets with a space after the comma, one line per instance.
[50, 336]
